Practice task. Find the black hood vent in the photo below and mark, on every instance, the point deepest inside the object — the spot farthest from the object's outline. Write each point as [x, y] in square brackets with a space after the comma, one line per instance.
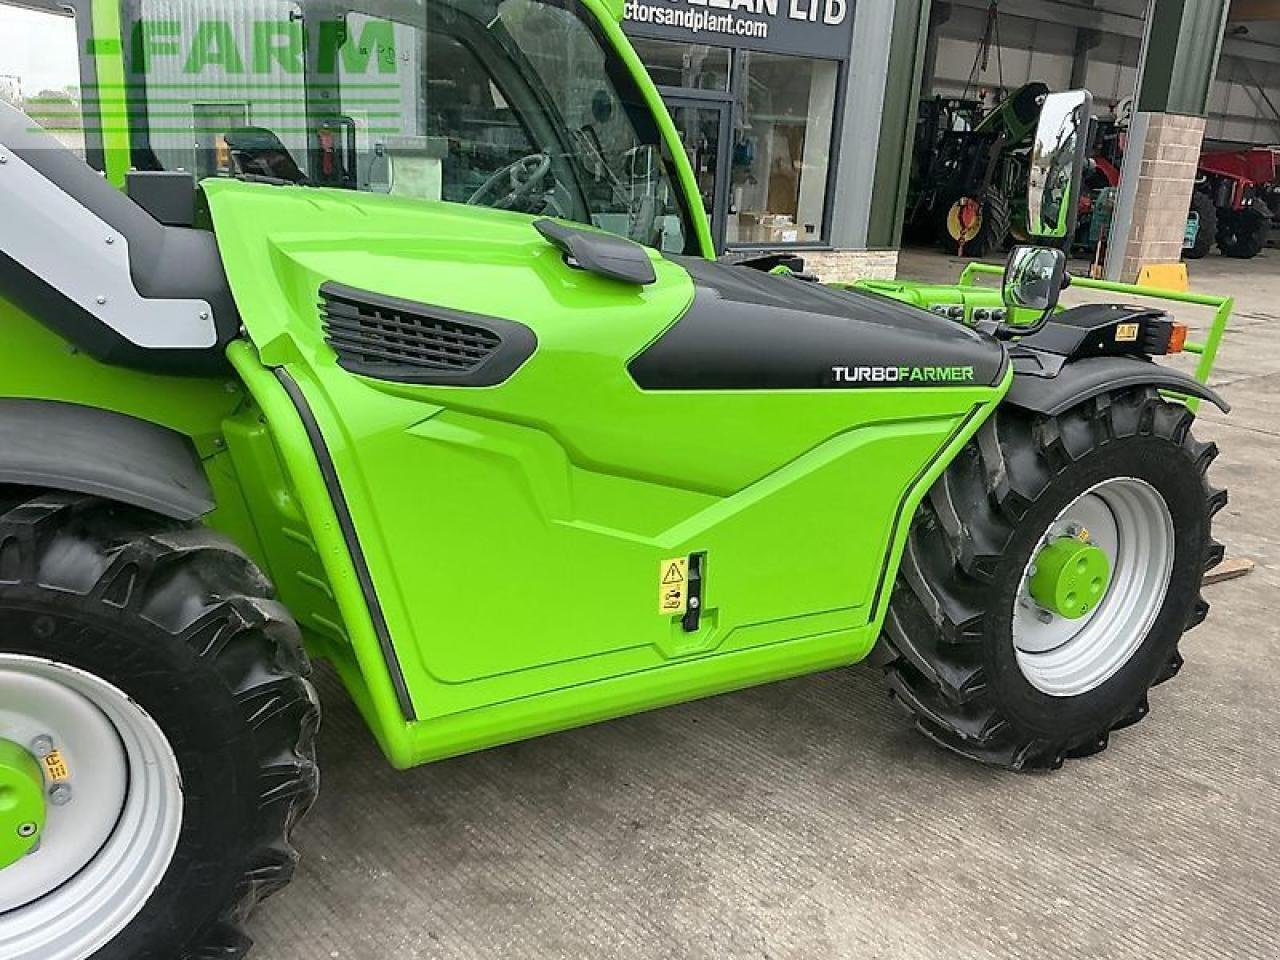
[387, 338]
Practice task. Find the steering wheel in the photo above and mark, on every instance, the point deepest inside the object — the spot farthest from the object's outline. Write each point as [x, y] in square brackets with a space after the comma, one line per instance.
[518, 179]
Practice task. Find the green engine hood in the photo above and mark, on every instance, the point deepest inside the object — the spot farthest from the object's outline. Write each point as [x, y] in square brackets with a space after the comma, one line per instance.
[281, 244]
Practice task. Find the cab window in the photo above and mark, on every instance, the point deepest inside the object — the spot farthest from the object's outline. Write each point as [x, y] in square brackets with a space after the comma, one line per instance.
[40, 69]
[514, 104]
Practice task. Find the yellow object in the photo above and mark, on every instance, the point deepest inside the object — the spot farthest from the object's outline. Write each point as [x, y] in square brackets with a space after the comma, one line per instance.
[964, 220]
[673, 586]
[1166, 276]
[55, 767]
[1127, 333]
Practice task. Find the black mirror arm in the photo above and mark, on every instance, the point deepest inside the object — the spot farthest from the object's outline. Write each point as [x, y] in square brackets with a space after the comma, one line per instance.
[1008, 331]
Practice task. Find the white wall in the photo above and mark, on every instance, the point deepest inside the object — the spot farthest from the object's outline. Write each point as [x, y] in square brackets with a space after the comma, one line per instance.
[1238, 111]
[1028, 51]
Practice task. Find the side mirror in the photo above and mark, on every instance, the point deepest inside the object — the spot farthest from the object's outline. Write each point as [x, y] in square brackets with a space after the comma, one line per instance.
[1033, 278]
[1058, 156]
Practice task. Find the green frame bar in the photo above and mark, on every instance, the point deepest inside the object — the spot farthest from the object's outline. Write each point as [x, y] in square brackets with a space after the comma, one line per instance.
[1206, 350]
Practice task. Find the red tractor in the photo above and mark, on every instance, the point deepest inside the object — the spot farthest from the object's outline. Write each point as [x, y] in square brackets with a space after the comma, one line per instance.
[1234, 204]
[1237, 196]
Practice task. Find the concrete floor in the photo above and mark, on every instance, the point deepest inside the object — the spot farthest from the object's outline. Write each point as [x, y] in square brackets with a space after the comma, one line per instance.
[806, 819]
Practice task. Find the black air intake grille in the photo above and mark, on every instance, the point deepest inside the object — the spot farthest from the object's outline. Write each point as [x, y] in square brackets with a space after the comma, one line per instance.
[393, 339]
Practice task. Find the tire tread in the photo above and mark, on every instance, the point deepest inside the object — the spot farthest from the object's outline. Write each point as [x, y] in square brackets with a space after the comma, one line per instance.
[200, 588]
[931, 645]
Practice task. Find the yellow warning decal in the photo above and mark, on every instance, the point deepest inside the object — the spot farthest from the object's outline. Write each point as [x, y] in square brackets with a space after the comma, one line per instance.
[1126, 333]
[55, 767]
[673, 586]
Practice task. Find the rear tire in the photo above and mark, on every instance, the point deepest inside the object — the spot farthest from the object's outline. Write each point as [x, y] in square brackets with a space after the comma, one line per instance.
[948, 645]
[1242, 234]
[177, 622]
[1203, 205]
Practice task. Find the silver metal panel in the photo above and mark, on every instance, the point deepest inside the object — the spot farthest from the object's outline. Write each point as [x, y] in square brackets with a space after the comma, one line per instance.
[61, 241]
[1122, 218]
[868, 72]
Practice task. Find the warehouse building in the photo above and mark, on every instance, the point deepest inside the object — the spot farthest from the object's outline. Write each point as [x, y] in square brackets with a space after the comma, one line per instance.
[800, 115]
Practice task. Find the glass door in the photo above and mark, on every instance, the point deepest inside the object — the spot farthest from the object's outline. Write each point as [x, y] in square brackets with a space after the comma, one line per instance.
[703, 126]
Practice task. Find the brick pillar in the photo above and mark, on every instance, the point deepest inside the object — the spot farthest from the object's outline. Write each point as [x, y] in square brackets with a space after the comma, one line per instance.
[1155, 203]
[1180, 49]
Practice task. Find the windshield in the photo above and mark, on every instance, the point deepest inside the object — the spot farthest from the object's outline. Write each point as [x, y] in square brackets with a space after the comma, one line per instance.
[518, 105]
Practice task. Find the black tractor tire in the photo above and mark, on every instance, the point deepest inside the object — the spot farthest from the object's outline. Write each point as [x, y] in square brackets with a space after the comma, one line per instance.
[179, 619]
[1203, 205]
[947, 647]
[992, 232]
[1243, 234]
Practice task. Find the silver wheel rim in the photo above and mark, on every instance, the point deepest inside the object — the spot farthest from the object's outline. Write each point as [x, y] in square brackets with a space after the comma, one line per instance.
[106, 848]
[1129, 520]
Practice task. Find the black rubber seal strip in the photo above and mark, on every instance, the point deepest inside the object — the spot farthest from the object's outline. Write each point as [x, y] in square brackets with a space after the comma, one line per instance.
[902, 503]
[348, 527]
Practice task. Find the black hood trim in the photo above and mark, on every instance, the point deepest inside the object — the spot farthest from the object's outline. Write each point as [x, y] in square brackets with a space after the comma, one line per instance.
[746, 330]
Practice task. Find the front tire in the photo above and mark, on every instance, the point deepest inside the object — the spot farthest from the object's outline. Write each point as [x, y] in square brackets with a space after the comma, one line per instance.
[168, 632]
[951, 647]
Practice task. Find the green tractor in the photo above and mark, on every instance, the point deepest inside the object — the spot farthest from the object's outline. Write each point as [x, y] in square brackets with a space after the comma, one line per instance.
[966, 169]
[433, 376]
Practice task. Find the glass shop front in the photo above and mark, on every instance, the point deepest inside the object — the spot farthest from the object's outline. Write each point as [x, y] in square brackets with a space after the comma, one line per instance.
[756, 89]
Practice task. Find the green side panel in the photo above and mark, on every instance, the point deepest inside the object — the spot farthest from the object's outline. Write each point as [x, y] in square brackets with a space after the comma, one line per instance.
[38, 364]
[258, 505]
[515, 533]
[304, 550]
[898, 122]
[110, 101]
[1184, 41]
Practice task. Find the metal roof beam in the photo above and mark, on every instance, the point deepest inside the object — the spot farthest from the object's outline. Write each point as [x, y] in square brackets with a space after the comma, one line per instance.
[1083, 16]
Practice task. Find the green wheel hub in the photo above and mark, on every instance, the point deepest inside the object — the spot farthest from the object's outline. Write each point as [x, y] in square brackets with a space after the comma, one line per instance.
[1071, 577]
[22, 808]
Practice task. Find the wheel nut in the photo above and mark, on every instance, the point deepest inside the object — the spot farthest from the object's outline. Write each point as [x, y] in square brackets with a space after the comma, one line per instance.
[60, 795]
[1044, 616]
[42, 746]
[27, 830]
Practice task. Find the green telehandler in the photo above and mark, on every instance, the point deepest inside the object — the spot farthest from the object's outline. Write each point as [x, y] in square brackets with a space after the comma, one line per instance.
[389, 333]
